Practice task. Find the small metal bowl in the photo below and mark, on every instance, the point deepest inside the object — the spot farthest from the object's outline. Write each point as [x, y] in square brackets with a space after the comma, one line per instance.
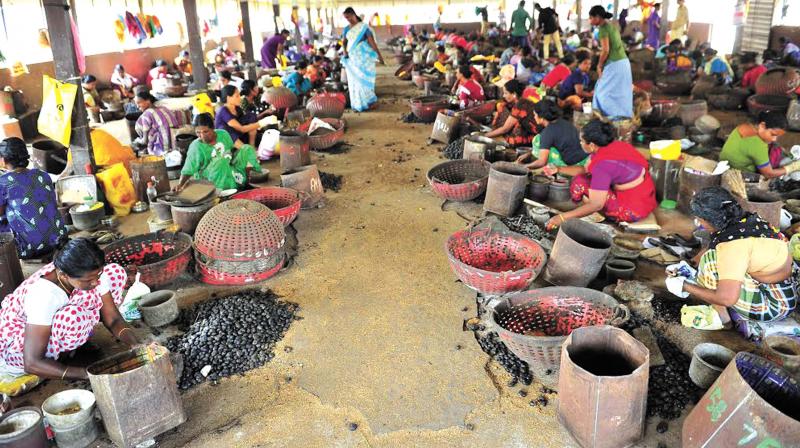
[140, 206]
[110, 221]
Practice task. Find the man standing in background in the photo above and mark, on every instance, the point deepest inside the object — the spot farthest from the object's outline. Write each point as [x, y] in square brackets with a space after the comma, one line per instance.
[520, 26]
[681, 24]
[548, 26]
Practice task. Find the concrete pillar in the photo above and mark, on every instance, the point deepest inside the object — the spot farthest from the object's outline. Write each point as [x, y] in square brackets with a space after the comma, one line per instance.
[309, 23]
[579, 15]
[57, 15]
[665, 7]
[276, 12]
[616, 8]
[249, 51]
[196, 55]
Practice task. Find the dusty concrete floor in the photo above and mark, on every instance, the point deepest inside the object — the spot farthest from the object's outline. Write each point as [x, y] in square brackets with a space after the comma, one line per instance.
[381, 343]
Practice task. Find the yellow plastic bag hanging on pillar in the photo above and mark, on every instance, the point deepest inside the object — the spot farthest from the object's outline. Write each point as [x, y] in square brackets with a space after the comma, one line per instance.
[55, 118]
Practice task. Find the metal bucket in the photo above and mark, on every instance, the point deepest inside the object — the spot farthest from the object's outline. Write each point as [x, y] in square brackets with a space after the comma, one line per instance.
[149, 169]
[72, 429]
[765, 204]
[783, 351]
[49, 156]
[753, 403]
[578, 254]
[306, 180]
[23, 428]
[294, 146]
[602, 387]
[445, 126]
[182, 142]
[475, 147]
[665, 175]
[137, 394]
[507, 184]
[187, 218]
[691, 183]
[708, 362]
[10, 268]
[558, 191]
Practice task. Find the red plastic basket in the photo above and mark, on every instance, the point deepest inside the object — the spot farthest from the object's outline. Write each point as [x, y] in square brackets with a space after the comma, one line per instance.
[459, 180]
[230, 276]
[160, 257]
[326, 105]
[285, 202]
[494, 262]
[324, 140]
[482, 110]
[426, 107]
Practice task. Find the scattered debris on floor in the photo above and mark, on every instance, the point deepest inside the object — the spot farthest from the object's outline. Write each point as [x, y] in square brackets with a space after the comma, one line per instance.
[517, 368]
[455, 150]
[526, 226]
[410, 118]
[330, 181]
[230, 335]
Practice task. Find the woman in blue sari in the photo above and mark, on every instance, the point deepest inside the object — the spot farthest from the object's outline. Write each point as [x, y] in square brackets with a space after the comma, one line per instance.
[613, 93]
[360, 54]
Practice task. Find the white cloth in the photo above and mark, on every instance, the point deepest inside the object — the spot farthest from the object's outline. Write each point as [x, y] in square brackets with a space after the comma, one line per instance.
[675, 286]
[42, 301]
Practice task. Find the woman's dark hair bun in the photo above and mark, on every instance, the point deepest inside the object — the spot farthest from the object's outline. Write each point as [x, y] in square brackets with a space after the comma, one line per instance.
[79, 257]
[599, 132]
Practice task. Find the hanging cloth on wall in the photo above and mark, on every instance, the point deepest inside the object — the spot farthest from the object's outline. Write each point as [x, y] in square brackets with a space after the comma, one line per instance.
[76, 41]
[145, 24]
[119, 29]
[156, 24]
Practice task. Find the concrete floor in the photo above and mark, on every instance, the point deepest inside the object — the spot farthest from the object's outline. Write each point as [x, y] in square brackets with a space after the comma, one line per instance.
[381, 341]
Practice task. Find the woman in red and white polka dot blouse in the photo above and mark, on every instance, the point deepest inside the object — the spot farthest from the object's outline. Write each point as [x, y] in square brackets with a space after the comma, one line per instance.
[55, 311]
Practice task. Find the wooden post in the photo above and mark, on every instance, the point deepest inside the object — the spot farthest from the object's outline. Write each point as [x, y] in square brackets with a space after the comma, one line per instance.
[196, 55]
[579, 11]
[276, 12]
[309, 24]
[249, 51]
[57, 15]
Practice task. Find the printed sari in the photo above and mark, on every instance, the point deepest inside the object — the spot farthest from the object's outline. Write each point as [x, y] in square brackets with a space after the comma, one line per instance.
[360, 67]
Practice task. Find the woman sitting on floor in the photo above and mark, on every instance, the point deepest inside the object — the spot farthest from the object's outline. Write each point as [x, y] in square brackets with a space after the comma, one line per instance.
[215, 157]
[520, 126]
[752, 148]
[155, 125]
[232, 119]
[575, 89]
[615, 181]
[747, 274]
[558, 144]
[28, 205]
[55, 311]
[469, 91]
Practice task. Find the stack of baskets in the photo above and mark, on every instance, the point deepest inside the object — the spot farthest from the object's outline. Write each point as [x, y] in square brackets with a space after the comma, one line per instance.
[239, 242]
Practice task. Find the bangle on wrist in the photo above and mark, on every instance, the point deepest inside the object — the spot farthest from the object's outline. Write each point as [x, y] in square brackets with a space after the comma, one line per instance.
[120, 332]
[562, 218]
[64, 374]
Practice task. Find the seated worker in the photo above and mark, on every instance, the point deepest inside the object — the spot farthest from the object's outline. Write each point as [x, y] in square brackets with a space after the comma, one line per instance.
[252, 106]
[315, 73]
[508, 53]
[716, 65]
[224, 79]
[232, 119]
[677, 61]
[575, 89]
[91, 99]
[215, 157]
[28, 205]
[558, 144]
[748, 147]
[520, 126]
[747, 274]
[123, 81]
[441, 55]
[297, 82]
[155, 125]
[751, 70]
[615, 182]
[790, 51]
[560, 72]
[56, 310]
[469, 91]
[159, 71]
[183, 65]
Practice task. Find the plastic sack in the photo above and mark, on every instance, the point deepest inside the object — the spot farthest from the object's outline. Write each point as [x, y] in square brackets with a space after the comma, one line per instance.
[55, 118]
[173, 158]
[269, 144]
[118, 188]
[130, 305]
[17, 385]
[700, 317]
[794, 246]
[202, 104]
[108, 150]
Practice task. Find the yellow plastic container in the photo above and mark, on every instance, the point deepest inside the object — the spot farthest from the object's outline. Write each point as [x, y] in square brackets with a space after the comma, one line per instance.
[665, 149]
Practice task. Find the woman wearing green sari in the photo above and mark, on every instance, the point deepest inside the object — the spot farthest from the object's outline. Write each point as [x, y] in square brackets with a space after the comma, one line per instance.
[216, 158]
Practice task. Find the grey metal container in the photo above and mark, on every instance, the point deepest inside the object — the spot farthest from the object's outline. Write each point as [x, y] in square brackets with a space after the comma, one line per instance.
[137, 395]
[507, 184]
[578, 254]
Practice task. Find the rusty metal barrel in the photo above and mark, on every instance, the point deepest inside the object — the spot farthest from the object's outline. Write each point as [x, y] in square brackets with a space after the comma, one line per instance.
[578, 254]
[507, 184]
[49, 156]
[294, 146]
[306, 180]
[602, 387]
[149, 169]
[137, 394]
[10, 268]
[765, 204]
[753, 403]
[691, 183]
